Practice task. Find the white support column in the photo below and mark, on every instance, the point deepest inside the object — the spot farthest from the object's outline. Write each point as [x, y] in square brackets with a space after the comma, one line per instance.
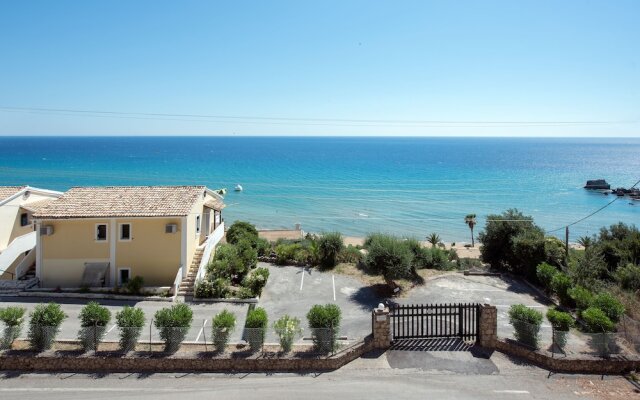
[38, 252]
[113, 235]
[183, 247]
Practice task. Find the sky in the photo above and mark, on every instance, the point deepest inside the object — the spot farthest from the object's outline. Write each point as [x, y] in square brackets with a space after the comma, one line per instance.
[347, 67]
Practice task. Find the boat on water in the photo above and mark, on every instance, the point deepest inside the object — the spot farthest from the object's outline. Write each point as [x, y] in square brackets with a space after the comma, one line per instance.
[238, 188]
[598, 184]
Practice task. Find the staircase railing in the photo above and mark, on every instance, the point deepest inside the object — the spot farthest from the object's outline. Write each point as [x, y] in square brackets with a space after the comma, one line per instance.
[25, 264]
[210, 245]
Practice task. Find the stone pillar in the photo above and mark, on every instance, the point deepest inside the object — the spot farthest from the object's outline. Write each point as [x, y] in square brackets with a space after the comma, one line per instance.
[488, 329]
[381, 328]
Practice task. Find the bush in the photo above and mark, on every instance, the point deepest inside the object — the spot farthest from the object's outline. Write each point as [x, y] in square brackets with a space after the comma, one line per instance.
[287, 328]
[324, 320]
[245, 293]
[629, 277]
[130, 321]
[526, 323]
[609, 305]
[173, 323]
[256, 324]
[389, 256]
[329, 246]
[263, 247]
[247, 253]
[589, 268]
[285, 252]
[560, 320]
[226, 263]
[218, 288]
[439, 258]
[561, 283]
[242, 230]
[596, 320]
[561, 323]
[13, 318]
[256, 281]
[350, 254]
[93, 324]
[582, 297]
[513, 242]
[134, 285]
[44, 325]
[221, 327]
[545, 274]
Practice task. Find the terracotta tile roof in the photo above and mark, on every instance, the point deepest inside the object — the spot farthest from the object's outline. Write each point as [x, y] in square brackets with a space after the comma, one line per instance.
[6, 191]
[122, 201]
[36, 205]
[214, 204]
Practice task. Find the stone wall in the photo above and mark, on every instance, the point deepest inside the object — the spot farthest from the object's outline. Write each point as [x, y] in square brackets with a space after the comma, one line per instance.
[568, 365]
[18, 360]
[381, 326]
[488, 329]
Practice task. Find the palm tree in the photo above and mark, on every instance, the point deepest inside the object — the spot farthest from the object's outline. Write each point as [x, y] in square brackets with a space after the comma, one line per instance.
[434, 239]
[470, 220]
[585, 241]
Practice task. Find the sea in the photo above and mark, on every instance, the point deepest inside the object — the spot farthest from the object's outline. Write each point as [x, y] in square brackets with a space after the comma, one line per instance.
[356, 185]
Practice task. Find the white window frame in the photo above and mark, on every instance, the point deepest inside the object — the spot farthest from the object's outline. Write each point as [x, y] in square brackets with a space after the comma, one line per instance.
[120, 239]
[120, 283]
[95, 233]
[198, 223]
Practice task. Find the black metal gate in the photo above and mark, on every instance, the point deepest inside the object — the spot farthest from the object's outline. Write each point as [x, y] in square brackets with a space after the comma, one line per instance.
[415, 321]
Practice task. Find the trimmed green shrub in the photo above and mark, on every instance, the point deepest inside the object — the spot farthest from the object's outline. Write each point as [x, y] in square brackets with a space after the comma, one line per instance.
[93, 325]
[596, 320]
[526, 323]
[629, 277]
[287, 328]
[256, 280]
[245, 293]
[263, 247]
[134, 285]
[561, 323]
[324, 320]
[329, 246]
[44, 325]
[13, 319]
[581, 296]
[247, 253]
[221, 327]
[173, 323]
[545, 273]
[560, 320]
[256, 324]
[130, 321]
[561, 283]
[242, 230]
[226, 263]
[609, 305]
[350, 254]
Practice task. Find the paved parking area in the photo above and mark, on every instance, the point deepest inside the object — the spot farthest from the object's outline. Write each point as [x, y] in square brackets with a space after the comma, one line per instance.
[294, 290]
[72, 307]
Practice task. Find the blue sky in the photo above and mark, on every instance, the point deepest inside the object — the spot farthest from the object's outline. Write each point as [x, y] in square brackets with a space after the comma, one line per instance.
[572, 67]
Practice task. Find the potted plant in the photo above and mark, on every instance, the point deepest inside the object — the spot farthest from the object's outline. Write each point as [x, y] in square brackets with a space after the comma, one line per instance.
[221, 327]
[256, 327]
[561, 323]
[44, 325]
[93, 324]
[526, 323]
[130, 321]
[13, 318]
[324, 320]
[173, 323]
[287, 328]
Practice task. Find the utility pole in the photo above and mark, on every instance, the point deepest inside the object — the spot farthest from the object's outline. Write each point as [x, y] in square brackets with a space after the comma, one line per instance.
[566, 246]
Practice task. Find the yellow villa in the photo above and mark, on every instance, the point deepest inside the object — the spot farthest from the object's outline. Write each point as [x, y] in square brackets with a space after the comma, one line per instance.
[17, 236]
[104, 236]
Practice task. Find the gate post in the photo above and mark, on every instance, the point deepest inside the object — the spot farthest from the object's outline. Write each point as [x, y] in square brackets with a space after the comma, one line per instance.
[488, 326]
[381, 325]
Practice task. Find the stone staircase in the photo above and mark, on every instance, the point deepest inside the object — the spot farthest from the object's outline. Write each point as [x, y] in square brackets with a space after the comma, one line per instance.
[186, 286]
[14, 287]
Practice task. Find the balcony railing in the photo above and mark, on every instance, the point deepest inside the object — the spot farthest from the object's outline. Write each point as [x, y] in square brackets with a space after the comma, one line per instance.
[210, 245]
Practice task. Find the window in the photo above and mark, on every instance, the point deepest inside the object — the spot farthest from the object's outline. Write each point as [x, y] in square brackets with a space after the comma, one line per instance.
[197, 225]
[125, 232]
[124, 274]
[101, 232]
[24, 219]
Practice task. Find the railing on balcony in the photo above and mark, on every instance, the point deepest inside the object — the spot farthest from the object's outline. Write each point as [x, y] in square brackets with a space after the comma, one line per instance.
[210, 245]
[177, 282]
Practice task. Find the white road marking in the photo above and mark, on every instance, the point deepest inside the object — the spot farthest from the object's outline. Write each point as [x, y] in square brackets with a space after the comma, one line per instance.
[333, 279]
[302, 279]
[201, 330]
[512, 391]
[110, 329]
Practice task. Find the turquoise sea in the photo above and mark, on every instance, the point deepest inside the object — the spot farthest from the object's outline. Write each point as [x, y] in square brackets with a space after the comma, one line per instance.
[408, 186]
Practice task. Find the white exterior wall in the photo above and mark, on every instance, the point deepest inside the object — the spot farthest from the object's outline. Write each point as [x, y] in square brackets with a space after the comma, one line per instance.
[10, 215]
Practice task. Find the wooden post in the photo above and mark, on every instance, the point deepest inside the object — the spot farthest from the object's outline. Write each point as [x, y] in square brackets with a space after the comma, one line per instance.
[566, 244]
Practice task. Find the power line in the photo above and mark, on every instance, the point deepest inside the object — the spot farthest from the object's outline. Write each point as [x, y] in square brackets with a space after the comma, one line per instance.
[305, 121]
[593, 213]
